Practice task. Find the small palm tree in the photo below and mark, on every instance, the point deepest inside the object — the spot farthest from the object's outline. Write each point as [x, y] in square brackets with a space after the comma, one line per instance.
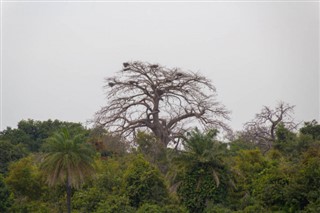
[68, 160]
[203, 176]
[202, 149]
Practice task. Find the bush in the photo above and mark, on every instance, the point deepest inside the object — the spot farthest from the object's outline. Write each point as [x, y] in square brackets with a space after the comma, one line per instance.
[115, 204]
[199, 186]
[149, 208]
[153, 208]
[216, 209]
[143, 183]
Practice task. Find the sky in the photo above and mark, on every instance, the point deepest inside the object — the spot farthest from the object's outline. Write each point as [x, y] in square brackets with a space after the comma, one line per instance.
[55, 55]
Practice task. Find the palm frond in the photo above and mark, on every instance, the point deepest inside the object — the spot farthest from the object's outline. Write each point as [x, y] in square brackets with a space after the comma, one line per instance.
[67, 157]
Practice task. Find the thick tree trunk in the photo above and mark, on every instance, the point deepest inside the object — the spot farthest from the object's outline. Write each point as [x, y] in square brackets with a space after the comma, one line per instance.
[68, 188]
[161, 135]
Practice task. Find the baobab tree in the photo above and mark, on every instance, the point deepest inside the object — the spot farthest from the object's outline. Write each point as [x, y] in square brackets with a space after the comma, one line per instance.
[262, 129]
[165, 101]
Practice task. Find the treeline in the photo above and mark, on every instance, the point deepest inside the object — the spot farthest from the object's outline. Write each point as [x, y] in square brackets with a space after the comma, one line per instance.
[206, 175]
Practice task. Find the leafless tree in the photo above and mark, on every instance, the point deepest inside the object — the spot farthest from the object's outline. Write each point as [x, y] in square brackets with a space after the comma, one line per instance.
[262, 129]
[166, 101]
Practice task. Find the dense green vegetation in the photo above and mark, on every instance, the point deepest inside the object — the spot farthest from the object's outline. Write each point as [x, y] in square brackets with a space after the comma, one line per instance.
[41, 161]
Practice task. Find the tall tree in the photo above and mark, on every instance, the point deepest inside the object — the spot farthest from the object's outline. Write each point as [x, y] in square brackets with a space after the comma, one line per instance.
[262, 129]
[68, 160]
[163, 100]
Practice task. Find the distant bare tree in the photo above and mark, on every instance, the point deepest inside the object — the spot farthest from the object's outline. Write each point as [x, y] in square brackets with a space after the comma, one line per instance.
[262, 129]
[166, 101]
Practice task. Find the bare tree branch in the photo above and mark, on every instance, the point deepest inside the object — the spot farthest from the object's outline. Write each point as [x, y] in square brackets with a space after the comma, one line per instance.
[163, 100]
[262, 129]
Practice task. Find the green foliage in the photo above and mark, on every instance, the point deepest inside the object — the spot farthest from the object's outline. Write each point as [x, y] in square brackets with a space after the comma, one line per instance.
[254, 208]
[199, 186]
[149, 208]
[285, 139]
[29, 191]
[174, 209]
[205, 176]
[309, 174]
[24, 178]
[143, 183]
[55, 198]
[110, 175]
[313, 207]
[153, 150]
[292, 145]
[213, 208]
[87, 200]
[250, 163]
[31, 206]
[303, 191]
[246, 167]
[6, 198]
[105, 188]
[201, 148]
[311, 128]
[154, 208]
[239, 145]
[270, 187]
[304, 142]
[32, 133]
[16, 136]
[283, 134]
[9, 153]
[115, 204]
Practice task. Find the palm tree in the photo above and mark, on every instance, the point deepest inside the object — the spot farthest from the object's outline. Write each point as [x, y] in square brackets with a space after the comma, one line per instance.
[68, 160]
[203, 172]
[202, 149]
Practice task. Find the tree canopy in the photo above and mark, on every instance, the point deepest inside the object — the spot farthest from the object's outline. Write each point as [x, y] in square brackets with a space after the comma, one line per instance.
[166, 101]
[207, 175]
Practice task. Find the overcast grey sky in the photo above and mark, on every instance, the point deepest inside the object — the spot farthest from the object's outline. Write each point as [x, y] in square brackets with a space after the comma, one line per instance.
[55, 56]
